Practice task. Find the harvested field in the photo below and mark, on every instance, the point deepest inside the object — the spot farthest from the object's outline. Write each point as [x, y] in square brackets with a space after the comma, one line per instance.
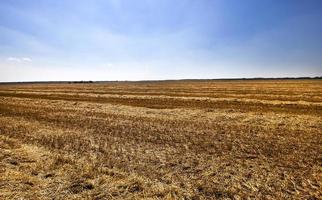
[238, 139]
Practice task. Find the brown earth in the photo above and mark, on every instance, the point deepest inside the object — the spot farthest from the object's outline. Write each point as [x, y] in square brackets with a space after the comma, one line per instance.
[257, 139]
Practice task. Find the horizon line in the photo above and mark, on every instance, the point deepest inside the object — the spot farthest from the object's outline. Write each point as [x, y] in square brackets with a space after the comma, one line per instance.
[163, 80]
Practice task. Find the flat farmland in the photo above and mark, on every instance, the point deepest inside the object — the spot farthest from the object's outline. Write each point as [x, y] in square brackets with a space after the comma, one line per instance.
[209, 139]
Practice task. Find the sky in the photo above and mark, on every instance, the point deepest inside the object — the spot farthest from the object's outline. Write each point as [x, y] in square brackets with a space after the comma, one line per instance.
[70, 40]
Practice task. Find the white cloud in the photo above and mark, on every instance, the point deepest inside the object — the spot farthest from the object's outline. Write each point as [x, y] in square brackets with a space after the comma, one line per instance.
[13, 59]
[26, 59]
[109, 64]
[19, 59]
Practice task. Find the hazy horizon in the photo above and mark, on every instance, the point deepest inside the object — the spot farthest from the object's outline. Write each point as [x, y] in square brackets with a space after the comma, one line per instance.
[157, 40]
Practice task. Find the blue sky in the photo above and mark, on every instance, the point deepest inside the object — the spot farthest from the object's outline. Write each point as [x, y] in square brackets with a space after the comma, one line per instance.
[159, 39]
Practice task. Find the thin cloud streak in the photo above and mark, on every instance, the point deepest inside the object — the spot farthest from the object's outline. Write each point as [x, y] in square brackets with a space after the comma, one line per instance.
[19, 59]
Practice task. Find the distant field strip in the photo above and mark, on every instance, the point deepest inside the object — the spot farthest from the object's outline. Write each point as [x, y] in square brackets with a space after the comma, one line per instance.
[179, 102]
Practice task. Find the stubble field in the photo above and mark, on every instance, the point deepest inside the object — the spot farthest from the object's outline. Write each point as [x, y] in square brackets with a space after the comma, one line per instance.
[239, 139]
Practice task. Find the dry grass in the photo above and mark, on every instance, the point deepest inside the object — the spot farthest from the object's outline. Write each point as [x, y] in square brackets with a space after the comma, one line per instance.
[162, 140]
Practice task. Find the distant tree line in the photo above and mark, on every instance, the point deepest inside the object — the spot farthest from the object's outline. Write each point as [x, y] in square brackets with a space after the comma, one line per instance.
[80, 82]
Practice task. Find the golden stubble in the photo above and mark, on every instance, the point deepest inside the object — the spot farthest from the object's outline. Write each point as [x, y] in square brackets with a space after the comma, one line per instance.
[161, 140]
